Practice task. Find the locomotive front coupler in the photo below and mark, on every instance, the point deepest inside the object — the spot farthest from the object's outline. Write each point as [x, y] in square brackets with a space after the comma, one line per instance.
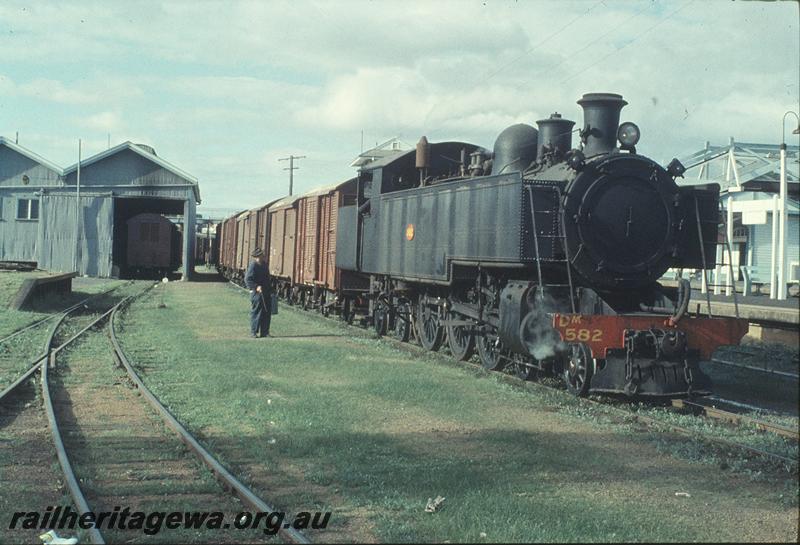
[654, 362]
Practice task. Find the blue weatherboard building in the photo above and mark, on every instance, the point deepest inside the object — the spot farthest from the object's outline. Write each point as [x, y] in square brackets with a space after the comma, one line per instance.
[46, 219]
[752, 205]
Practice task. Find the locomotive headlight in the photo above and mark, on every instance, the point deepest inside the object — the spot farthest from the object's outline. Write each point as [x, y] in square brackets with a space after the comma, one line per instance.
[628, 135]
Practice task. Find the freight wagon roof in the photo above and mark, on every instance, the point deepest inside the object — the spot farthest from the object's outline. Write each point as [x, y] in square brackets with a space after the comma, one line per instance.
[263, 206]
[328, 188]
[232, 218]
[286, 202]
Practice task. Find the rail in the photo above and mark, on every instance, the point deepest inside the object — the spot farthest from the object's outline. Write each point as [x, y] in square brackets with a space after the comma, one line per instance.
[63, 459]
[735, 418]
[247, 496]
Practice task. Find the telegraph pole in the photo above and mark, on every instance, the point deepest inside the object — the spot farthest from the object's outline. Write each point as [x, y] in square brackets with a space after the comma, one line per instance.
[78, 210]
[291, 168]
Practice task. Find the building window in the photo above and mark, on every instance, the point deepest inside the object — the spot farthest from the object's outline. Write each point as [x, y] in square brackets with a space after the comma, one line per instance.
[28, 209]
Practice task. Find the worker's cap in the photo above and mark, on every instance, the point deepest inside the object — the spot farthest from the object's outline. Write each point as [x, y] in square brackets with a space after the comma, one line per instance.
[257, 252]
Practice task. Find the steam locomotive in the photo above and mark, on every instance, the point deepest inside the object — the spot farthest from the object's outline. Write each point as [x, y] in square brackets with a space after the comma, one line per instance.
[541, 257]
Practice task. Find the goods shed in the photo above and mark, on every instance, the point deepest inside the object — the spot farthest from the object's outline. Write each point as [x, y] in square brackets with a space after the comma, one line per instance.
[77, 218]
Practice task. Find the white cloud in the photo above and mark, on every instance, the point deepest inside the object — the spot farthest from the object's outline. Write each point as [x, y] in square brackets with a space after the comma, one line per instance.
[102, 121]
[224, 88]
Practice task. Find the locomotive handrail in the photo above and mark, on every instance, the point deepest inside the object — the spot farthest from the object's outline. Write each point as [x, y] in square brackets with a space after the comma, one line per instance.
[702, 252]
[563, 244]
[536, 243]
[730, 268]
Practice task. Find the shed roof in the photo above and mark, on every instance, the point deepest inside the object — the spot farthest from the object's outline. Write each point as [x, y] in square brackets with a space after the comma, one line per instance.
[390, 147]
[147, 154]
[31, 155]
[755, 162]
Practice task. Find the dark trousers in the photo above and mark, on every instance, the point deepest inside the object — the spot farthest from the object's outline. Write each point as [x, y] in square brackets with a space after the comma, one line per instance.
[260, 316]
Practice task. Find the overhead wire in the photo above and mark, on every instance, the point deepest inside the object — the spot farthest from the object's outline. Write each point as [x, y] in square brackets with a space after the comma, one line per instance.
[586, 46]
[538, 44]
[573, 54]
[527, 52]
[618, 49]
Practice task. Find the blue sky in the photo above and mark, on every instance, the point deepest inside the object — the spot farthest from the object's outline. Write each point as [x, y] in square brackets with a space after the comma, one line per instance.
[223, 89]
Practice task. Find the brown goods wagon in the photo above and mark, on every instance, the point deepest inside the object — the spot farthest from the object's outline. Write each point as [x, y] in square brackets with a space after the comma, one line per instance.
[262, 234]
[228, 243]
[318, 212]
[260, 224]
[342, 195]
[229, 261]
[153, 243]
[242, 241]
[225, 235]
[252, 233]
[221, 244]
[308, 239]
[282, 238]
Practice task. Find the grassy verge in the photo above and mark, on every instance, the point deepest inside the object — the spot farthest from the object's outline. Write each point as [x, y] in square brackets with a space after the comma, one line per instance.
[17, 353]
[323, 419]
[13, 320]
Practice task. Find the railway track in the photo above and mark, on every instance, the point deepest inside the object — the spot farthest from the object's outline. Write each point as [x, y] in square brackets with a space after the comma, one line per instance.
[782, 374]
[653, 423]
[58, 315]
[112, 448]
[708, 408]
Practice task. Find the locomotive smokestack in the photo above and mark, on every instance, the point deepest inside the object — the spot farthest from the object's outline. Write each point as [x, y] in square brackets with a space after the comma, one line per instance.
[600, 122]
[555, 136]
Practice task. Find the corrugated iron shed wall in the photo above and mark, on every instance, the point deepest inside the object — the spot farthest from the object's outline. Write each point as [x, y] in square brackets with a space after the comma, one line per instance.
[17, 237]
[20, 178]
[56, 241]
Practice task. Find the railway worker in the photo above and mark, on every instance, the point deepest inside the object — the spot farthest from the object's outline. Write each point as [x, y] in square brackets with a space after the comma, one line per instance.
[258, 282]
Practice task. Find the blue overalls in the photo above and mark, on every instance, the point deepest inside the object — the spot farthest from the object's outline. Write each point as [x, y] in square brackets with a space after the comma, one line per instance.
[260, 309]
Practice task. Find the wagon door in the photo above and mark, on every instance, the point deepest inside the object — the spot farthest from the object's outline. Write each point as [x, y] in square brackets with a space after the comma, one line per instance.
[276, 243]
[252, 235]
[241, 237]
[289, 237]
[327, 235]
[248, 239]
[262, 233]
[310, 240]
